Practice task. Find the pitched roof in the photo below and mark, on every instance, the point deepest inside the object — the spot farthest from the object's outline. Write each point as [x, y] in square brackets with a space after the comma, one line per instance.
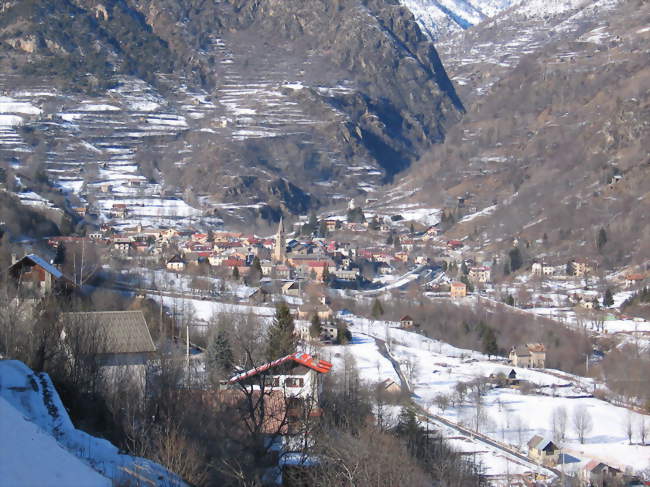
[120, 331]
[56, 273]
[299, 358]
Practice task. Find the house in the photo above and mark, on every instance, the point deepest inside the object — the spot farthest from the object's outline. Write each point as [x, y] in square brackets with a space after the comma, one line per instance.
[454, 244]
[307, 311]
[329, 332]
[120, 341]
[533, 355]
[479, 274]
[600, 474]
[543, 450]
[35, 274]
[635, 279]
[119, 210]
[580, 267]
[122, 244]
[542, 269]
[291, 288]
[176, 263]
[289, 388]
[458, 290]
[297, 374]
[406, 322]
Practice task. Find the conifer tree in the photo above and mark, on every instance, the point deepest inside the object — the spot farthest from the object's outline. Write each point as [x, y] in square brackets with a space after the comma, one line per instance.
[377, 309]
[608, 298]
[219, 356]
[281, 335]
[602, 239]
[315, 327]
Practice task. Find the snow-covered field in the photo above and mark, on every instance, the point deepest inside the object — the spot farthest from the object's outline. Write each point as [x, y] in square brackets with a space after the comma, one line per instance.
[506, 414]
[40, 447]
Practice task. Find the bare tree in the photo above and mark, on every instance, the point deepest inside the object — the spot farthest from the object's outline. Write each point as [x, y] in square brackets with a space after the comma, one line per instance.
[643, 427]
[582, 422]
[559, 423]
[628, 427]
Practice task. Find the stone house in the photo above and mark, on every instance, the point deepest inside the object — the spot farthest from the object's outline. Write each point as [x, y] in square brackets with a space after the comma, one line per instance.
[532, 355]
[35, 274]
[480, 274]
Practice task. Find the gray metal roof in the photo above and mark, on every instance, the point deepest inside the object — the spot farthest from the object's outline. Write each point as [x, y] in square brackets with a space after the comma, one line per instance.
[119, 331]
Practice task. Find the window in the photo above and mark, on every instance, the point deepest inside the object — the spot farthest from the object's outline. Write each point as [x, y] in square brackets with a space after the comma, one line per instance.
[294, 382]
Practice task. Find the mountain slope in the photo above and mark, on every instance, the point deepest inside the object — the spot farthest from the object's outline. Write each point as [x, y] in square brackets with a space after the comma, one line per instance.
[350, 94]
[556, 144]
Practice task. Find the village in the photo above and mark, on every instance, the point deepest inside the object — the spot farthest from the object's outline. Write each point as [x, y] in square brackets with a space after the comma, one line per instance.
[332, 277]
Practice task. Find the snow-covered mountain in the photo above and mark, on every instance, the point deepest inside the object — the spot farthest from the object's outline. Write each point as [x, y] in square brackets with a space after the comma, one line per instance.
[438, 18]
[441, 18]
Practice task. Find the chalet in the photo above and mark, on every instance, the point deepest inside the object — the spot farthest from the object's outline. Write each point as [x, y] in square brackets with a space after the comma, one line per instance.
[35, 274]
[406, 322]
[601, 474]
[543, 450]
[458, 290]
[479, 274]
[120, 340]
[533, 355]
[296, 374]
[289, 388]
[176, 263]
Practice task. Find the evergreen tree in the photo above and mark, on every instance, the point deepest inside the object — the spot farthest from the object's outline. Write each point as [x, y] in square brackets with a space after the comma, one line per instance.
[326, 274]
[257, 265]
[377, 309]
[490, 346]
[412, 229]
[608, 298]
[506, 268]
[315, 327]
[464, 269]
[343, 335]
[602, 239]
[281, 335]
[235, 273]
[219, 356]
[389, 240]
[510, 300]
[515, 259]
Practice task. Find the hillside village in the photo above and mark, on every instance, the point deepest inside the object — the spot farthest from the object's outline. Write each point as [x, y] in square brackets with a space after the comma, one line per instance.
[361, 289]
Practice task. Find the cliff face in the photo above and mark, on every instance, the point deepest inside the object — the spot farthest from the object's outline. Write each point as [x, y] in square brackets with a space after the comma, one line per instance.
[327, 98]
